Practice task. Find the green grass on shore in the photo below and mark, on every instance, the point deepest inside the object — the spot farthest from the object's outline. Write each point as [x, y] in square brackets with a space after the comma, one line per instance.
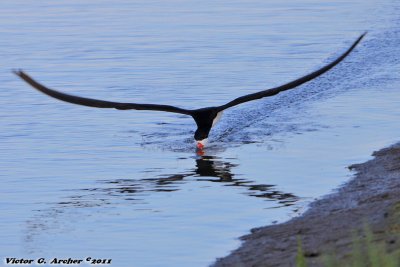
[366, 251]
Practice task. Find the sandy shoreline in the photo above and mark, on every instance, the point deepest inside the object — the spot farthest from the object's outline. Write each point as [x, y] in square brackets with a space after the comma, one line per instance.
[330, 225]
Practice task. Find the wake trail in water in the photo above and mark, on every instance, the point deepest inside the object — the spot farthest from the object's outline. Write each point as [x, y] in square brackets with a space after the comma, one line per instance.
[265, 120]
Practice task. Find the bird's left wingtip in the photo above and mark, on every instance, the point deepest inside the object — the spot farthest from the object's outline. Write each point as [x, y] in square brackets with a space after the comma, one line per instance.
[365, 33]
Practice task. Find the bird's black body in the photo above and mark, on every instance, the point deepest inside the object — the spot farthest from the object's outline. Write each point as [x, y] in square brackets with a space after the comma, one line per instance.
[203, 117]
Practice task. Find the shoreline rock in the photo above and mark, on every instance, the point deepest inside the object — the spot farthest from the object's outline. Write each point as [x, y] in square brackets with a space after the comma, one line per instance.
[332, 223]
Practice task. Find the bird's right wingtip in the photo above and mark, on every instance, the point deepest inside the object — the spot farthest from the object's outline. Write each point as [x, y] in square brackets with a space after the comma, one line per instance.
[18, 72]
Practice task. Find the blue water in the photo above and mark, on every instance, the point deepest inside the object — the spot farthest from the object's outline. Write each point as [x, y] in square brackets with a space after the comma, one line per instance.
[128, 185]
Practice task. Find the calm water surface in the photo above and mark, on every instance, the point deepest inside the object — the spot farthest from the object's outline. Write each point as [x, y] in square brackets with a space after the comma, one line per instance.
[128, 185]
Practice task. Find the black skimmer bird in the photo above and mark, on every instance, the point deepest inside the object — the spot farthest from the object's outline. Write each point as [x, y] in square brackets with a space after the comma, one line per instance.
[205, 118]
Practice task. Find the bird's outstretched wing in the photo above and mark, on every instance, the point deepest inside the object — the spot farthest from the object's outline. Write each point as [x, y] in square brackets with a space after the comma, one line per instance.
[97, 103]
[292, 84]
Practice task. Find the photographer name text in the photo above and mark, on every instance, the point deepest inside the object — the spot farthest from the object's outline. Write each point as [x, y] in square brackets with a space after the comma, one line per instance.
[57, 261]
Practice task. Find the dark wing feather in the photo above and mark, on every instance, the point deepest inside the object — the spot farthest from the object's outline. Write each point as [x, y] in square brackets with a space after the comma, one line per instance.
[292, 84]
[97, 103]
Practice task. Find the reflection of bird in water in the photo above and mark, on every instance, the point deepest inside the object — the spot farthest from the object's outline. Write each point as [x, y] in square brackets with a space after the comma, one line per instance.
[210, 166]
[133, 191]
[205, 118]
[207, 169]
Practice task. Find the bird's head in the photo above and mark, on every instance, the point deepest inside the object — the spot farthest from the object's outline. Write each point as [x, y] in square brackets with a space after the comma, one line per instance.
[201, 138]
